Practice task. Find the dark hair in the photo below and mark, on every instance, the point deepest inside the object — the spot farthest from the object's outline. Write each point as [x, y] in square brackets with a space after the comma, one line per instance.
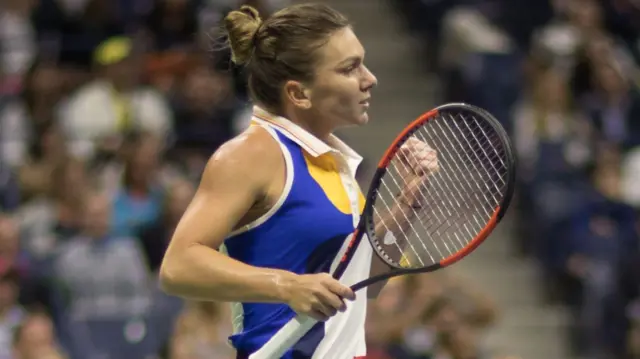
[280, 48]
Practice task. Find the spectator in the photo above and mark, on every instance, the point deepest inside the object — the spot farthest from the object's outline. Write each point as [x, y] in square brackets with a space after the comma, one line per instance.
[47, 152]
[10, 257]
[614, 107]
[548, 115]
[23, 118]
[35, 339]
[9, 189]
[602, 234]
[138, 200]
[102, 112]
[17, 37]
[172, 24]
[206, 113]
[104, 288]
[201, 333]
[55, 216]
[11, 313]
[411, 315]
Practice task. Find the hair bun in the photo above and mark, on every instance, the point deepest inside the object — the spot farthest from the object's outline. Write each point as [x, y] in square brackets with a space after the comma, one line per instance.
[242, 26]
[251, 11]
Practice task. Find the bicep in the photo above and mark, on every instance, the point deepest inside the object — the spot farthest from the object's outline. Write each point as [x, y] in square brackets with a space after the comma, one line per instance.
[211, 216]
[228, 190]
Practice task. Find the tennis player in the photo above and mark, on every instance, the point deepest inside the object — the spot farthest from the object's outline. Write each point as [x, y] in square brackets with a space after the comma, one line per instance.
[276, 205]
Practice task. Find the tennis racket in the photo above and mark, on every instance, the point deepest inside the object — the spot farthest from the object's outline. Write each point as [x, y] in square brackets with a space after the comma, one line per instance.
[422, 221]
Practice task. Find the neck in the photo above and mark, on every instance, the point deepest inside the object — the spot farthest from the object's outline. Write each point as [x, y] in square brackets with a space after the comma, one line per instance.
[312, 123]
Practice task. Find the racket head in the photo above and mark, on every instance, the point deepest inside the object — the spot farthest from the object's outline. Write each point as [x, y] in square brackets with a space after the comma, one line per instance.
[466, 139]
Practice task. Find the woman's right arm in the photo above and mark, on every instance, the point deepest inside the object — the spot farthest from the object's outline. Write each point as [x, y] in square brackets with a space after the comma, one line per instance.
[235, 178]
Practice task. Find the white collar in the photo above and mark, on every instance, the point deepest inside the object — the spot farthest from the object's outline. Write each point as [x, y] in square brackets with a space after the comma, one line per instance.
[310, 143]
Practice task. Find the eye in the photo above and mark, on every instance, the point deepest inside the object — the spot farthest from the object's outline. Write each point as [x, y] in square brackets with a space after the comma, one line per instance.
[352, 68]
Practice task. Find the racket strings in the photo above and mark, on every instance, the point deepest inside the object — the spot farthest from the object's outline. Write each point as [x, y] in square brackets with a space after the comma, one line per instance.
[457, 200]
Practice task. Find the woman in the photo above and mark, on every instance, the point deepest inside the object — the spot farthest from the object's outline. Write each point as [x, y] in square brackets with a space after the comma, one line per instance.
[281, 196]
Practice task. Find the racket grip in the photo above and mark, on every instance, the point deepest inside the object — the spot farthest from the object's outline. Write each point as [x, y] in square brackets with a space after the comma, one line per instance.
[285, 338]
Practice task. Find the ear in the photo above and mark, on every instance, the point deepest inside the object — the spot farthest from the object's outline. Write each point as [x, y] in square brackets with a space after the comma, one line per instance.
[298, 94]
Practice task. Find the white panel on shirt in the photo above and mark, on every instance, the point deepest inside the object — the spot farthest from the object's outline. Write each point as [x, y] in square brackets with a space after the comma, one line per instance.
[344, 333]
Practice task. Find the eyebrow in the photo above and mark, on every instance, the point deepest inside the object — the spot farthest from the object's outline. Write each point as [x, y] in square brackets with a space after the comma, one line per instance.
[349, 60]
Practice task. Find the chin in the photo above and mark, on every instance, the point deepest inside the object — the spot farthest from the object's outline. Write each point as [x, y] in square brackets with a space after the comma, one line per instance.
[363, 119]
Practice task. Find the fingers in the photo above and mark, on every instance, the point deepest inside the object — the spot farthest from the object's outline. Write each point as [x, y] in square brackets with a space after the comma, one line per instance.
[324, 309]
[339, 289]
[321, 296]
[419, 157]
[319, 316]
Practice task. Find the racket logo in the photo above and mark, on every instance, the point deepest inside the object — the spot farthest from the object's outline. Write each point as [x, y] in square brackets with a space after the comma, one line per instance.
[345, 256]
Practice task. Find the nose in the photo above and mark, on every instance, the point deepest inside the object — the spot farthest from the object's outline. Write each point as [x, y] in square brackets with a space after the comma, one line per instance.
[369, 80]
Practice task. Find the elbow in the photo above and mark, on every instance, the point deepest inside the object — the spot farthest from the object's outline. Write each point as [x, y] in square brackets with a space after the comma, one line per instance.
[169, 278]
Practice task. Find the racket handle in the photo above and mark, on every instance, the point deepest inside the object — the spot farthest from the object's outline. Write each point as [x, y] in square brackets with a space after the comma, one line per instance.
[285, 338]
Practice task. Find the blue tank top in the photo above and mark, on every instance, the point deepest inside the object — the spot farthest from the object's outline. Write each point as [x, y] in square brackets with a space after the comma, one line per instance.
[303, 234]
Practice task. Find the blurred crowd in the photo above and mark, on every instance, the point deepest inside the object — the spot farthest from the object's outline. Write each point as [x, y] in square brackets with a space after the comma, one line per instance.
[108, 113]
[562, 76]
[110, 108]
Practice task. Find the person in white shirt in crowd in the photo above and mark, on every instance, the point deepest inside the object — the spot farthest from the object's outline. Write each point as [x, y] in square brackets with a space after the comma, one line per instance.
[115, 103]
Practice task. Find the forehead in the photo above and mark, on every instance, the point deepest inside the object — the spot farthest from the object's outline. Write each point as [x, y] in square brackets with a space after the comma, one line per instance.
[342, 45]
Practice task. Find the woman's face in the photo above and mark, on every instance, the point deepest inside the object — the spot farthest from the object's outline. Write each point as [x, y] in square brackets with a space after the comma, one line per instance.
[341, 89]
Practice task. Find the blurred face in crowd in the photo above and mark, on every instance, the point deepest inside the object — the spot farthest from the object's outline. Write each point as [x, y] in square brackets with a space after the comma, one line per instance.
[73, 176]
[70, 181]
[43, 88]
[22, 7]
[124, 75]
[8, 292]
[52, 144]
[97, 215]
[47, 80]
[599, 49]
[610, 81]
[36, 339]
[461, 343]
[205, 89]
[608, 180]
[552, 92]
[9, 245]
[446, 318]
[586, 14]
[9, 242]
[144, 161]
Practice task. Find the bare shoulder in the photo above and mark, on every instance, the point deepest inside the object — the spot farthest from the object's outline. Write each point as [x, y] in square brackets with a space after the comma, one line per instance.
[253, 156]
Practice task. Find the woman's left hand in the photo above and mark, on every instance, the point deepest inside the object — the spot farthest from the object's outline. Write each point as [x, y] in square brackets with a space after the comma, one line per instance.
[418, 158]
[418, 161]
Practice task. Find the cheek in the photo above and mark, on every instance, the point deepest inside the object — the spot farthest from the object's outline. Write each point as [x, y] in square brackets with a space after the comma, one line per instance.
[338, 90]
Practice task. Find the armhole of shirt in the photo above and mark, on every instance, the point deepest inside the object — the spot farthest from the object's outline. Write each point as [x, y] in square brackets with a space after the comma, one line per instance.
[289, 173]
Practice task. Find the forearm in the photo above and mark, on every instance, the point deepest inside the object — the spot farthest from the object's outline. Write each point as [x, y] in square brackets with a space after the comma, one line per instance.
[202, 273]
